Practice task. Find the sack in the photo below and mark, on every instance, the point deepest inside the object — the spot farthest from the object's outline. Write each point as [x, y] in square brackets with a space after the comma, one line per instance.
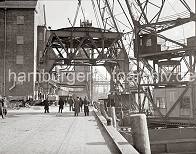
[73, 109]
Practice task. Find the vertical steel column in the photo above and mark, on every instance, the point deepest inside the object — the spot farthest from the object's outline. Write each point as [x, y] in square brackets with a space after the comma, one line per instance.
[138, 66]
[154, 71]
[136, 31]
[116, 26]
[194, 52]
[91, 83]
[4, 54]
[193, 86]
[195, 21]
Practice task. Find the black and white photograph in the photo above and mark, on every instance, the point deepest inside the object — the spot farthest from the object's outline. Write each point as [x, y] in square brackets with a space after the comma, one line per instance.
[97, 76]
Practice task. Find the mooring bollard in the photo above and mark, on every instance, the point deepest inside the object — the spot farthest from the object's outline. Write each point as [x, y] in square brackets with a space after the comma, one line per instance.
[121, 117]
[140, 133]
[109, 111]
[109, 121]
[113, 115]
[103, 112]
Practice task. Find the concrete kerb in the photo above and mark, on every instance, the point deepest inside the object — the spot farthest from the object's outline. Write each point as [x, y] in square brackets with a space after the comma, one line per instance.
[118, 140]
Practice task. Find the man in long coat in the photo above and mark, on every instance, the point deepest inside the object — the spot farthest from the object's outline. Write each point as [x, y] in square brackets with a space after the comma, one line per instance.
[86, 108]
[46, 105]
[70, 102]
[61, 104]
[77, 106]
[1, 107]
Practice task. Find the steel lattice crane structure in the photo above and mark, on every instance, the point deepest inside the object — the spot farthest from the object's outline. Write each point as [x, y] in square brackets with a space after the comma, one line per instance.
[141, 26]
[84, 46]
[148, 29]
[152, 59]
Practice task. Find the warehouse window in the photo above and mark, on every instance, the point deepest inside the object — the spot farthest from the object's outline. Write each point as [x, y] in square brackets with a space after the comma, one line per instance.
[160, 101]
[20, 20]
[20, 39]
[19, 59]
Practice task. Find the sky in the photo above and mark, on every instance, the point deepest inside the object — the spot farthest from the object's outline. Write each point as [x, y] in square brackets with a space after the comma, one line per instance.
[58, 12]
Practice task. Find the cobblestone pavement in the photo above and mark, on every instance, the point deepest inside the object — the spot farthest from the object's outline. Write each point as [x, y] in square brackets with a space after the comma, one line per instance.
[30, 131]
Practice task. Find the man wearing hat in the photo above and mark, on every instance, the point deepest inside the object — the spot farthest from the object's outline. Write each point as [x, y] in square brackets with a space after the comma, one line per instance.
[1, 106]
[5, 102]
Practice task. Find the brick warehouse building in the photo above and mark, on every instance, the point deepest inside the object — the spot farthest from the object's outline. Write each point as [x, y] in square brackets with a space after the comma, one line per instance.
[22, 32]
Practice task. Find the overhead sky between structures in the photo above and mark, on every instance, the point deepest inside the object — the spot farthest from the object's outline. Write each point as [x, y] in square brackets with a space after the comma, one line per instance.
[61, 13]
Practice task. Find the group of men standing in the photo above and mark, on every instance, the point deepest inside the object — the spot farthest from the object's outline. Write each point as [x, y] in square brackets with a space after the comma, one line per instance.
[75, 104]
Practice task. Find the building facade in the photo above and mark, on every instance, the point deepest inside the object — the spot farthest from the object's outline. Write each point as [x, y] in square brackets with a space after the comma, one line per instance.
[19, 38]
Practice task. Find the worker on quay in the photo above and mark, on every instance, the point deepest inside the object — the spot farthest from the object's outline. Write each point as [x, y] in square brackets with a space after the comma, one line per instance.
[5, 102]
[76, 106]
[1, 107]
[61, 105]
[70, 102]
[46, 105]
[86, 107]
[81, 104]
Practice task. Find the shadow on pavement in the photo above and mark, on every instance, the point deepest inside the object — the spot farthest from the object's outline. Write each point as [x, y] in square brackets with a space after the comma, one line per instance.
[71, 114]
